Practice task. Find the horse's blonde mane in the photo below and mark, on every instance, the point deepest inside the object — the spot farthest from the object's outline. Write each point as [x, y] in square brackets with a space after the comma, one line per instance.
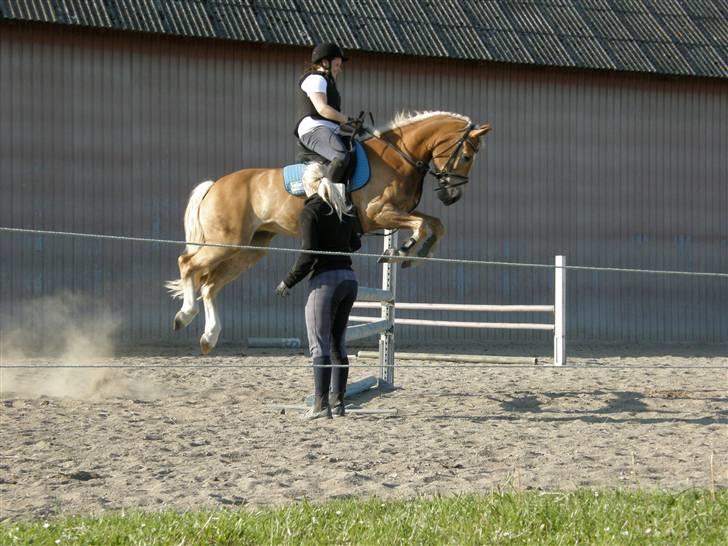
[402, 119]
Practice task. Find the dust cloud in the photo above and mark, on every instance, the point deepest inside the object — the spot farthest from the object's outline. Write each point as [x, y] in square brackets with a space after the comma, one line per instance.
[70, 330]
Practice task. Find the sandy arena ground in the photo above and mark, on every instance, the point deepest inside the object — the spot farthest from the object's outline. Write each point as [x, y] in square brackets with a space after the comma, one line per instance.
[94, 440]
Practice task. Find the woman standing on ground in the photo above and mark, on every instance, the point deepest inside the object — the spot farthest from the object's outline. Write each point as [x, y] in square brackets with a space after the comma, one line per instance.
[332, 290]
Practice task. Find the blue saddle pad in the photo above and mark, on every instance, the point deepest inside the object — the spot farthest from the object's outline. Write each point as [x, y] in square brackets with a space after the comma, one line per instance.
[293, 174]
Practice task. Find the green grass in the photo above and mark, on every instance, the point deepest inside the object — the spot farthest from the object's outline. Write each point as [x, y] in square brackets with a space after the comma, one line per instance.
[581, 517]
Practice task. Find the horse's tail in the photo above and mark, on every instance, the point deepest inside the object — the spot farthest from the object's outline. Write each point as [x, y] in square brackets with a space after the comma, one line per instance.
[193, 231]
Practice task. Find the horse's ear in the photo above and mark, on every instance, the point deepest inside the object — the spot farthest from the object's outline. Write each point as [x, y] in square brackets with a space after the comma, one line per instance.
[480, 130]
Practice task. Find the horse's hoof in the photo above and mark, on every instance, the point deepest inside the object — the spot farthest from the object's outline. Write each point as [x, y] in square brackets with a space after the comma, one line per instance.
[407, 264]
[386, 257]
[208, 342]
[391, 256]
[183, 319]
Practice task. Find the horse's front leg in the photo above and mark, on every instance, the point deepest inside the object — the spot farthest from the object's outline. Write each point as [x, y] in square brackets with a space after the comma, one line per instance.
[398, 254]
[437, 230]
[419, 223]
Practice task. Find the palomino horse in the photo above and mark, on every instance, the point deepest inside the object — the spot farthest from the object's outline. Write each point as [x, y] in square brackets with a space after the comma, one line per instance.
[251, 206]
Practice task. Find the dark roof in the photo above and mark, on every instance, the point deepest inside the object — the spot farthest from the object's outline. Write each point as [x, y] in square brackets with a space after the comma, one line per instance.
[678, 37]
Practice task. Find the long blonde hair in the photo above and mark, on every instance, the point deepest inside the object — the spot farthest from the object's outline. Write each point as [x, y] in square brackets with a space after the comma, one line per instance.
[315, 183]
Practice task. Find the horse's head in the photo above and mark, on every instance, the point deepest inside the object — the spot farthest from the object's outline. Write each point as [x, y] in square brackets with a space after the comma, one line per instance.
[442, 144]
[452, 158]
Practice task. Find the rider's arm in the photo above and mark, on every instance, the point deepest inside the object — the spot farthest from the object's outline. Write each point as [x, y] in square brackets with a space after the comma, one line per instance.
[319, 102]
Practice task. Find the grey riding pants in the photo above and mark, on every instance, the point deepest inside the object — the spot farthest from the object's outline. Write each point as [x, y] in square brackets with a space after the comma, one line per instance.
[325, 142]
[330, 299]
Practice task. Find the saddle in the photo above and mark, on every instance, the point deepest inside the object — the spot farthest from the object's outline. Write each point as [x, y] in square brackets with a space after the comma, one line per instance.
[358, 172]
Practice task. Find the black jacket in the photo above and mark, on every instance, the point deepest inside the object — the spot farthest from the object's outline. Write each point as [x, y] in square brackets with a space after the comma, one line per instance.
[322, 230]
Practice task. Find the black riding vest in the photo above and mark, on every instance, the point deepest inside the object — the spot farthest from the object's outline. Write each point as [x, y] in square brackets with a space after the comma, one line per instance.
[304, 106]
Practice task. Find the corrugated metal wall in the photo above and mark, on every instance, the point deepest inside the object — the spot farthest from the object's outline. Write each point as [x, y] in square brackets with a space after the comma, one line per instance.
[107, 133]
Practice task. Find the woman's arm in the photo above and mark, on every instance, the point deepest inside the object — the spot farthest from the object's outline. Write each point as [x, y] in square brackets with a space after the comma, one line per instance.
[356, 233]
[309, 241]
[319, 102]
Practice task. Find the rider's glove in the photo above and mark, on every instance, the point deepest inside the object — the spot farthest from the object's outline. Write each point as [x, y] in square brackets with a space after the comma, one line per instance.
[282, 290]
[349, 128]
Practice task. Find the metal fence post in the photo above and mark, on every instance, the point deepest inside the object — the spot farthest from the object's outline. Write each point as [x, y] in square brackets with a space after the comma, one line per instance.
[386, 339]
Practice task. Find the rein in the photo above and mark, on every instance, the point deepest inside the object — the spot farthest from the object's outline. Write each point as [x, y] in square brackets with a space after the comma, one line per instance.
[422, 167]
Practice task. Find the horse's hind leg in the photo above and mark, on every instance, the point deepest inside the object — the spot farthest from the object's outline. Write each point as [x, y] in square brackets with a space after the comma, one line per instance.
[223, 274]
[212, 319]
[220, 276]
[193, 268]
[190, 282]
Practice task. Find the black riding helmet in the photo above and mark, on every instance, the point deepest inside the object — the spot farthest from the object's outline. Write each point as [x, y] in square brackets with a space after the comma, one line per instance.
[327, 51]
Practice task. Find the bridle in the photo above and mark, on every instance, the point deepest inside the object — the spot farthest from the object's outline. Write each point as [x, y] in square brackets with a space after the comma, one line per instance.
[444, 174]
[447, 190]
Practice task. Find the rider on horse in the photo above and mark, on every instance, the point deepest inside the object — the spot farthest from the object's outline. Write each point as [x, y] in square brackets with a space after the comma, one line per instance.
[321, 127]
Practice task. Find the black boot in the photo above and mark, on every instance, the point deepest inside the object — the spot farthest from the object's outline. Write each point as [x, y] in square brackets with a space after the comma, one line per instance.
[339, 378]
[321, 381]
[338, 407]
[350, 204]
[320, 408]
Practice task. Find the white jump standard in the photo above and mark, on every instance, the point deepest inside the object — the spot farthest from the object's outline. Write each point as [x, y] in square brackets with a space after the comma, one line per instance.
[385, 298]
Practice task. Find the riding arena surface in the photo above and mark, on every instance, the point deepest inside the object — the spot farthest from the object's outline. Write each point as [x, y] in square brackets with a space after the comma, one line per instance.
[106, 439]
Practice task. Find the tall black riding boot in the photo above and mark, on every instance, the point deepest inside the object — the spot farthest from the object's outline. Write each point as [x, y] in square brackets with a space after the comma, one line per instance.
[320, 408]
[321, 382]
[339, 377]
[336, 173]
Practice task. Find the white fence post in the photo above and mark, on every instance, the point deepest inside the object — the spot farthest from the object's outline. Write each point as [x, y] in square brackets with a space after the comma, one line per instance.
[560, 311]
[386, 339]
